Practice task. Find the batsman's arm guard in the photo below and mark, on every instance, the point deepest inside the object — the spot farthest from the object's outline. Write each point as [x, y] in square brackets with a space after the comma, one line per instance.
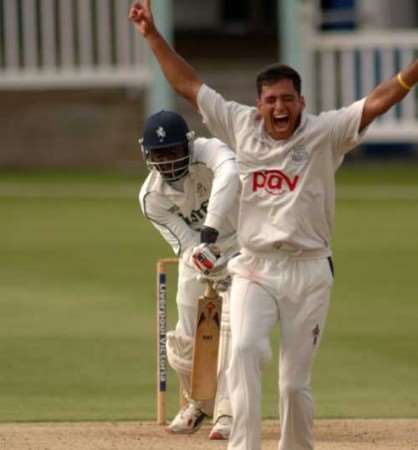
[162, 213]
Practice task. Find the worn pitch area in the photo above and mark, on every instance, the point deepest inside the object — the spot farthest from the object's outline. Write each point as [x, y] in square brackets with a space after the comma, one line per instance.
[330, 435]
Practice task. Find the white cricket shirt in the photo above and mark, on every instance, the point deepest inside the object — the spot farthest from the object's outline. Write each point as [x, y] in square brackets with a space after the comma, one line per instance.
[288, 187]
[209, 196]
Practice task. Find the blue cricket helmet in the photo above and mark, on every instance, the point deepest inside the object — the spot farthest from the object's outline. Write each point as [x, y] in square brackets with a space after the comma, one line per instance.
[166, 144]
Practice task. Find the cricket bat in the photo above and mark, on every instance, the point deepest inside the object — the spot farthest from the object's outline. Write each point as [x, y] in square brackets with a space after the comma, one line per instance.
[206, 344]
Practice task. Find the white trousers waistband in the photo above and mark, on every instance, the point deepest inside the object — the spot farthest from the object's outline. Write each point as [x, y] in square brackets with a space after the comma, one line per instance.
[300, 254]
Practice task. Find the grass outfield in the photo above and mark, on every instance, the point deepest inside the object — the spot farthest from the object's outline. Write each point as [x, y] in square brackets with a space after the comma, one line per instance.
[77, 300]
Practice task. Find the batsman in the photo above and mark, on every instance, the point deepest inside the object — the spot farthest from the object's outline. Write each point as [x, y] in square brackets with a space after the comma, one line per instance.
[191, 197]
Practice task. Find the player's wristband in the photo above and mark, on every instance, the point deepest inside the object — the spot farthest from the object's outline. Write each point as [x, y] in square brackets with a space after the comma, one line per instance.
[402, 82]
[208, 235]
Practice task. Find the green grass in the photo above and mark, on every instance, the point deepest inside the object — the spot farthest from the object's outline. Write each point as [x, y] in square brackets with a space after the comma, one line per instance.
[77, 339]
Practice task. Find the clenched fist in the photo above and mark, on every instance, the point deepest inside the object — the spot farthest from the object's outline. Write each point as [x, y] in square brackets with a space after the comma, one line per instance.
[141, 16]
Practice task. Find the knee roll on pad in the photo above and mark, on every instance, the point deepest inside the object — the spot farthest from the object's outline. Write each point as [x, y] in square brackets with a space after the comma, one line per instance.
[180, 352]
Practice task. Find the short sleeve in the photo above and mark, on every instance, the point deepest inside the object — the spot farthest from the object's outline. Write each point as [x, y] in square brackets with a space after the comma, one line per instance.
[220, 116]
[344, 127]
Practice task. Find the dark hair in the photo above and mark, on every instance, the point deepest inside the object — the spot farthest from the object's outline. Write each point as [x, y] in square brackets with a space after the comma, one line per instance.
[276, 72]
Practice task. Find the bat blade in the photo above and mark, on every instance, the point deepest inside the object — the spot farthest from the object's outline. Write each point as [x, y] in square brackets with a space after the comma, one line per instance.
[205, 350]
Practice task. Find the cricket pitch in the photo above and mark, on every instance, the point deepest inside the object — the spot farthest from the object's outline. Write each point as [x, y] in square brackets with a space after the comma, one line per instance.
[377, 434]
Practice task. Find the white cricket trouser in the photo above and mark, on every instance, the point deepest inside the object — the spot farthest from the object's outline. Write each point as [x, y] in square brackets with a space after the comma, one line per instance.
[189, 289]
[294, 292]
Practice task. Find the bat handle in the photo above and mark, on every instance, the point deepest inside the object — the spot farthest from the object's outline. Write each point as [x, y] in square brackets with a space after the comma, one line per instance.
[210, 290]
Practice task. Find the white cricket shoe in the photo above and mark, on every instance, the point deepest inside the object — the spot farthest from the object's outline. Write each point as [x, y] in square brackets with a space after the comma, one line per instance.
[188, 420]
[221, 429]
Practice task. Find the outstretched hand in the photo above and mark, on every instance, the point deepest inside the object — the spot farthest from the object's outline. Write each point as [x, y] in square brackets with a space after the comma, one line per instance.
[140, 15]
[181, 76]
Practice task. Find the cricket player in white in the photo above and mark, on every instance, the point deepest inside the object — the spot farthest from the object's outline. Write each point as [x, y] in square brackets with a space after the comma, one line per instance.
[287, 161]
[191, 197]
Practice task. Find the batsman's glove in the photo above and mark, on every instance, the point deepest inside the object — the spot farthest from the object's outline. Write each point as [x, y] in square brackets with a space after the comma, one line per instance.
[220, 283]
[204, 257]
[212, 266]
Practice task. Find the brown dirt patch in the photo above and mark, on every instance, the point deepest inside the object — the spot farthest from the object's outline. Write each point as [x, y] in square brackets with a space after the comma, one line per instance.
[330, 435]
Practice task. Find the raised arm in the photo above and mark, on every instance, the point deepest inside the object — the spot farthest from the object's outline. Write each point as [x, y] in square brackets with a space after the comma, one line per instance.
[388, 93]
[182, 77]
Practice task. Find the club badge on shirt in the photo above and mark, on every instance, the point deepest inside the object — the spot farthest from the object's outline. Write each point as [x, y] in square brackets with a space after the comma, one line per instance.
[299, 153]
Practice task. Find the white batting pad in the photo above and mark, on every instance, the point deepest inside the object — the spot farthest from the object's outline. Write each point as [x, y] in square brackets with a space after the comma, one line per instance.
[180, 352]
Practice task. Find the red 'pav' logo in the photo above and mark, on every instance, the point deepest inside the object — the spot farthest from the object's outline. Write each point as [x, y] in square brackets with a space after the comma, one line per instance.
[274, 181]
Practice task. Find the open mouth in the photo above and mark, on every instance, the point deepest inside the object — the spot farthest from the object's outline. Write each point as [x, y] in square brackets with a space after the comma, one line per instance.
[281, 121]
